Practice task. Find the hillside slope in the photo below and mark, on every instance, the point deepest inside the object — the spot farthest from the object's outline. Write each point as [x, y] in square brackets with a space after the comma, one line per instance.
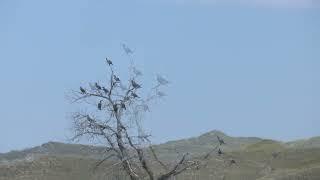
[255, 158]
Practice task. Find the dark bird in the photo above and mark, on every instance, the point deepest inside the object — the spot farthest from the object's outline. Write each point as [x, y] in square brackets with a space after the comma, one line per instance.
[100, 105]
[221, 141]
[123, 106]
[134, 95]
[102, 127]
[98, 86]
[109, 62]
[105, 90]
[83, 91]
[135, 85]
[115, 108]
[117, 79]
[220, 152]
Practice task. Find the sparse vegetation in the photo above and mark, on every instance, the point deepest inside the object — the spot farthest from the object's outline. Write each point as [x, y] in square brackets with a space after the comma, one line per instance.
[68, 161]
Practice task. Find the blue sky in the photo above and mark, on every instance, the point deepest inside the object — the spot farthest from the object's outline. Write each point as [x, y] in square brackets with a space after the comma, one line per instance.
[248, 69]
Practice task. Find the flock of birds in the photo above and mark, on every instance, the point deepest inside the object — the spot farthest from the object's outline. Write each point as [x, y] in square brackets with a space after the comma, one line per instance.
[161, 81]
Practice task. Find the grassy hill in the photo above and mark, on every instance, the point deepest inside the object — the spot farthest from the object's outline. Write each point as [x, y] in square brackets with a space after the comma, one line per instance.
[313, 142]
[255, 158]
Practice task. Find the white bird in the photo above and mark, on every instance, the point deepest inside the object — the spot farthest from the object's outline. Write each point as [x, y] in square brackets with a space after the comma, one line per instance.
[126, 49]
[162, 80]
[137, 72]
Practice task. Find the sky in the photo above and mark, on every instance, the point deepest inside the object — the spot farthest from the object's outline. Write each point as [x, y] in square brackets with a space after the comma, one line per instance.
[247, 68]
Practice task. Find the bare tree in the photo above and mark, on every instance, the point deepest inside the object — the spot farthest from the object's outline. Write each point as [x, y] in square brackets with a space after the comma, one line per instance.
[114, 111]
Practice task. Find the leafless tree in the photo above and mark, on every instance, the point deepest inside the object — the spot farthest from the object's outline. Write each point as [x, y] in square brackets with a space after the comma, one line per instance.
[114, 111]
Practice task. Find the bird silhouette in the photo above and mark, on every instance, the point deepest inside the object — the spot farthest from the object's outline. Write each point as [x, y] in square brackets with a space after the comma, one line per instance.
[134, 95]
[109, 62]
[83, 91]
[162, 80]
[98, 86]
[220, 152]
[105, 90]
[135, 85]
[100, 105]
[115, 107]
[117, 79]
[126, 49]
[221, 141]
[102, 127]
[123, 106]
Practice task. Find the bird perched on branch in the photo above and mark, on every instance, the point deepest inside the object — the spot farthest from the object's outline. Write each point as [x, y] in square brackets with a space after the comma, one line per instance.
[83, 91]
[100, 105]
[161, 80]
[134, 95]
[221, 141]
[123, 106]
[116, 78]
[115, 107]
[109, 62]
[102, 127]
[135, 85]
[98, 86]
[105, 90]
